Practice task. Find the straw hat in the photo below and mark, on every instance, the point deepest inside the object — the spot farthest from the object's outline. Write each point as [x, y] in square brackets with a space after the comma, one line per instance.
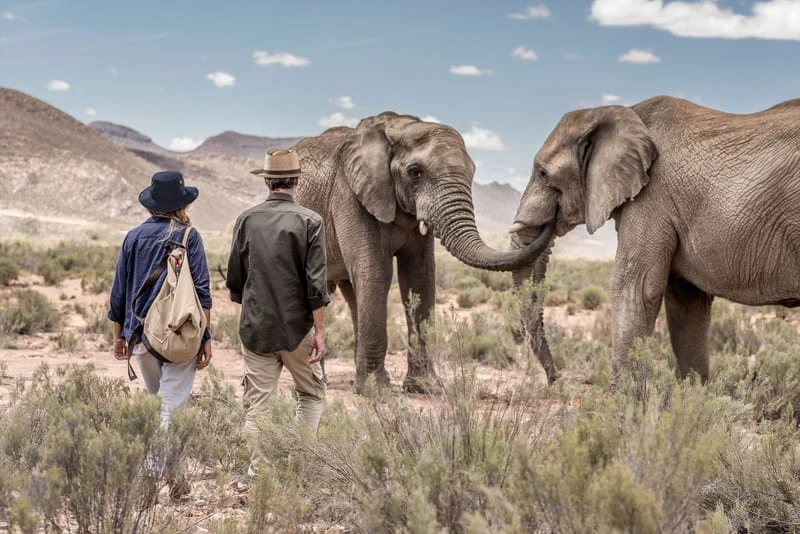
[279, 163]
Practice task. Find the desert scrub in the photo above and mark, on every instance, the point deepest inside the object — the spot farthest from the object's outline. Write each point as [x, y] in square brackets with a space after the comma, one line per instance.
[340, 338]
[592, 297]
[28, 312]
[472, 296]
[638, 460]
[66, 342]
[8, 271]
[556, 297]
[226, 330]
[768, 377]
[77, 444]
[573, 275]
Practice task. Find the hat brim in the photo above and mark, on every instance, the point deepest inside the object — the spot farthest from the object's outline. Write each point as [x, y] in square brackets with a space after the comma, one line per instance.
[295, 173]
[165, 206]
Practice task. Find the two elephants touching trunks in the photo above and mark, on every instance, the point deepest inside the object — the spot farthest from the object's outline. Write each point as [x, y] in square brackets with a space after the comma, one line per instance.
[705, 204]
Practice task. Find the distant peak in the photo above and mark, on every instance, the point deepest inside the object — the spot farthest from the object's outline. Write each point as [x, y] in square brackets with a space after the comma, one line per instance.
[111, 130]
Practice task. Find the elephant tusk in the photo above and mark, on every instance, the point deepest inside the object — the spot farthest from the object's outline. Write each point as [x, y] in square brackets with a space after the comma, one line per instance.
[423, 228]
[517, 227]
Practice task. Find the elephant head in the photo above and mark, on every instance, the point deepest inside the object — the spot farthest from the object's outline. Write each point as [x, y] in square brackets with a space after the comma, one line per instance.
[400, 167]
[592, 162]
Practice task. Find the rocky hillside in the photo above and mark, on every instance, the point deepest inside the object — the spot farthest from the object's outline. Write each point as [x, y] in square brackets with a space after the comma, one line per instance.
[52, 164]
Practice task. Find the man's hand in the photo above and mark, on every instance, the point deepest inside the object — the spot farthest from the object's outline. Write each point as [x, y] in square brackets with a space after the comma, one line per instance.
[120, 349]
[316, 351]
[204, 358]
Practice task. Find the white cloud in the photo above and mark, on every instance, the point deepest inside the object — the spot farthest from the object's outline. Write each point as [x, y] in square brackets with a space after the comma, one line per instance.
[768, 19]
[468, 70]
[572, 56]
[344, 102]
[538, 11]
[8, 15]
[524, 53]
[430, 118]
[183, 144]
[636, 55]
[58, 85]
[609, 98]
[91, 111]
[222, 79]
[285, 59]
[483, 139]
[337, 119]
[114, 71]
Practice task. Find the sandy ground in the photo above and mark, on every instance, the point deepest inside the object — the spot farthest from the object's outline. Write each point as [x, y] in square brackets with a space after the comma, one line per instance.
[21, 356]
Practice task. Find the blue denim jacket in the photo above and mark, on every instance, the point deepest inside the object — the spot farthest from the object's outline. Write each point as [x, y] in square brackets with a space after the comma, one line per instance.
[142, 250]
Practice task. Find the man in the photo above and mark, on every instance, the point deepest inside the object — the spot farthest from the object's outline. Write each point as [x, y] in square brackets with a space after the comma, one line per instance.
[277, 272]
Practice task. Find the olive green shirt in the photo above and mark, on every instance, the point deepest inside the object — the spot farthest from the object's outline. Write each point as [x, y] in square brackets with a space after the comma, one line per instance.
[277, 272]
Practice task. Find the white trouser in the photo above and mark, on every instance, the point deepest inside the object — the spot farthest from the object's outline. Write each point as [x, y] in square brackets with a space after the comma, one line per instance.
[172, 382]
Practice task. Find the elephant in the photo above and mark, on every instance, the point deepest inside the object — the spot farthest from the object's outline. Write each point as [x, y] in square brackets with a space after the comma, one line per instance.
[705, 204]
[384, 190]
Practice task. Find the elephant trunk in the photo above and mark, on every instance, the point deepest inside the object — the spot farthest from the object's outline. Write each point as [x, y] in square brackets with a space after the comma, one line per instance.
[454, 223]
[531, 316]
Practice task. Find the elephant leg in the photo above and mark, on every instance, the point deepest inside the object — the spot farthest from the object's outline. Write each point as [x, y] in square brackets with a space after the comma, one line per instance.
[371, 339]
[637, 289]
[416, 274]
[350, 297]
[688, 317]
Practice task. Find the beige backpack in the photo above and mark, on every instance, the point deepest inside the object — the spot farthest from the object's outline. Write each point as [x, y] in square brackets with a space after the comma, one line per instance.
[173, 328]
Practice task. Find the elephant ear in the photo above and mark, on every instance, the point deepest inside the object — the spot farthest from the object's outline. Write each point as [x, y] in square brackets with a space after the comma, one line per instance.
[367, 171]
[615, 156]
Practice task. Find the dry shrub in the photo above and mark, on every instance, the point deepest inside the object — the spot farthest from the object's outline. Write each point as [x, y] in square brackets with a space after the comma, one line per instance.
[28, 312]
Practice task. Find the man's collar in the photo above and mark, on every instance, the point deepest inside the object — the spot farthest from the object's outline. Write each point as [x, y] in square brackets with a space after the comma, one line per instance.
[280, 196]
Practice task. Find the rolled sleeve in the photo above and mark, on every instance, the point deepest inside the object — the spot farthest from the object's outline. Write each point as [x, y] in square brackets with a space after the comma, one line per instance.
[316, 266]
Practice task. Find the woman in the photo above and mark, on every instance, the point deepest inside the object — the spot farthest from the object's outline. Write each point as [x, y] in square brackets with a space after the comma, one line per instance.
[143, 249]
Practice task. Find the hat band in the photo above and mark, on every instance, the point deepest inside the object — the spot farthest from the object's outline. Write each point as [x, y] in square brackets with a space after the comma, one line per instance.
[290, 172]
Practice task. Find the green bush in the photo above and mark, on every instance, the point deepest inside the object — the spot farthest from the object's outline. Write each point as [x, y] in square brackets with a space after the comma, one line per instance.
[8, 271]
[77, 446]
[30, 313]
[592, 297]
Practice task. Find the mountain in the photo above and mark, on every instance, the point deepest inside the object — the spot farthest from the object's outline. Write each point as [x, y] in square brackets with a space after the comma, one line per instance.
[52, 164]
[69, 177]
[242, 145]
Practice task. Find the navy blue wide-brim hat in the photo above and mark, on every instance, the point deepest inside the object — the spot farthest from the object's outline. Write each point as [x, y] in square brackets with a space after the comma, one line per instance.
[167, 192]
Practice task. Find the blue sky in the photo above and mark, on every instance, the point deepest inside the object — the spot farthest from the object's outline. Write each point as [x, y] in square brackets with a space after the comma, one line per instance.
[501, 72]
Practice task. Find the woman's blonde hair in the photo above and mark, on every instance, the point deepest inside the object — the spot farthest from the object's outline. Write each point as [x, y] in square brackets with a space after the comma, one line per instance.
[178, 218]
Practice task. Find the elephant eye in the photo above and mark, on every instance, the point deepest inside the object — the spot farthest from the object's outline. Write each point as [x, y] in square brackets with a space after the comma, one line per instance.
[543, 176]
[415, 171]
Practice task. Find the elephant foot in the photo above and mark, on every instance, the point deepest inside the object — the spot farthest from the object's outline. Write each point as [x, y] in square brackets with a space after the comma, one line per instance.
[429, 385]
[372, 383]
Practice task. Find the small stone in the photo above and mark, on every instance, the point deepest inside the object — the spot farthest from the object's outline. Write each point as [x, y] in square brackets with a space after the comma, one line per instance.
[200, 503]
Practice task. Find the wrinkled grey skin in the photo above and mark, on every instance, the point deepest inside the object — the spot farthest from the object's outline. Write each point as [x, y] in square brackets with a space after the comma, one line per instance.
[705, 203]
[373, 185]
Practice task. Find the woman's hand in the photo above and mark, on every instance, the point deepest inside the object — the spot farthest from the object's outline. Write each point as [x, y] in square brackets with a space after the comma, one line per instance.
[204, 358]
[120, 349]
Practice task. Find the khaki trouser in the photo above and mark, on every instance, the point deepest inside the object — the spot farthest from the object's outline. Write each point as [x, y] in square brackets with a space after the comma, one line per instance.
[261, 373]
